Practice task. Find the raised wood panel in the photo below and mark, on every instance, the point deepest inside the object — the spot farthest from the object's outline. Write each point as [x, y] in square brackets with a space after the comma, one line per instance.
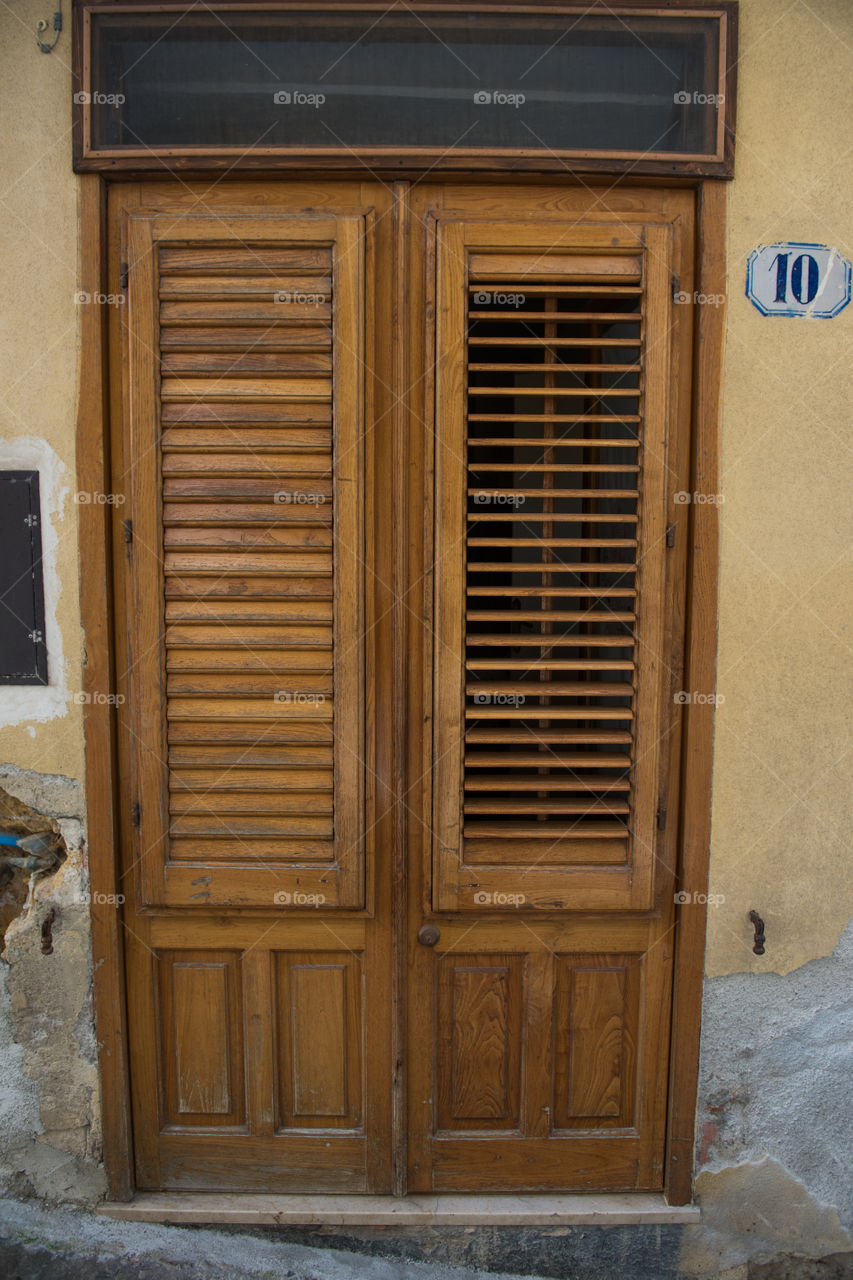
[536, 1164]
[318, 1047]
[202, 1068]
[292, 1163]
[480, 1027]
[319, 1037]
[596, 1027]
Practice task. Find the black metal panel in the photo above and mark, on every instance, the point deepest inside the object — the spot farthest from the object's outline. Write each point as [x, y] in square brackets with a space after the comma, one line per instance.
[320, 80]
[23, 647]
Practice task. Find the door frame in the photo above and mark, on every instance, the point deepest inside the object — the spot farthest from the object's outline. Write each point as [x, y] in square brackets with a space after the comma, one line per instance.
[99, 717]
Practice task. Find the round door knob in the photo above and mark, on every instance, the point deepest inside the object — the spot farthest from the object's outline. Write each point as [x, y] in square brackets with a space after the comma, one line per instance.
[428, 935]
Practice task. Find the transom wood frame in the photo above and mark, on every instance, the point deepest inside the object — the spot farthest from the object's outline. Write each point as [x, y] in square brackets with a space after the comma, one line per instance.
[100, 542]
[404, 160]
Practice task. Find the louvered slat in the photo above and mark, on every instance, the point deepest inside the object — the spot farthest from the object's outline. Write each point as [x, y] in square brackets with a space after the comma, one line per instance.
[553, 514]
[246, 364]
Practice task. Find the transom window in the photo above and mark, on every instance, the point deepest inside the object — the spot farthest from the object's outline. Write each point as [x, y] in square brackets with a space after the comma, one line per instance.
[413, 82]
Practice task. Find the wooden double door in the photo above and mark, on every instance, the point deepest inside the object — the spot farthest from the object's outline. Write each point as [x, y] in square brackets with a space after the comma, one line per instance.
[400, 585]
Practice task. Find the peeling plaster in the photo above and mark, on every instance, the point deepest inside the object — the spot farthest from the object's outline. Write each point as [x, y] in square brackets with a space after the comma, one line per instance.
[775, 1085]
[51, 794]
[757, 1211]
[50, 1141]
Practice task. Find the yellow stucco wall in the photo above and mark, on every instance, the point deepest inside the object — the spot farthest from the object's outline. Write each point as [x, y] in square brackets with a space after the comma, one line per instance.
[38, 366]
[783, 794]
[783, 803]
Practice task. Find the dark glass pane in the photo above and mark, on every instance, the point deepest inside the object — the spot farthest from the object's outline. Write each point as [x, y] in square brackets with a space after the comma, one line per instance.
[366, 80]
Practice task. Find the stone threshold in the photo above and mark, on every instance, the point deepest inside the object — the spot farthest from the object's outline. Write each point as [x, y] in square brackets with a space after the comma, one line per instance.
[605, 1210]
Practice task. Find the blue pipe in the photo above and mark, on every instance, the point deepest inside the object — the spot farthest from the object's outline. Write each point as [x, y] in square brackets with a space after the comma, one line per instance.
[4, 839]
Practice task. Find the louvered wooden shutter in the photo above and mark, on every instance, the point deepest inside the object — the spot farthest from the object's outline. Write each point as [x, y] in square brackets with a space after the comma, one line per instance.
[244, 442]
[550, 542]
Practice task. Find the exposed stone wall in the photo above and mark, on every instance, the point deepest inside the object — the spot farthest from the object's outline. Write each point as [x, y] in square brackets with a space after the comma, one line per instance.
[50, 1143]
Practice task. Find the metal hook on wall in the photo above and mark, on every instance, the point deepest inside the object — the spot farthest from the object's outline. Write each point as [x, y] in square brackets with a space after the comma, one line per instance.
[758, 924]
[42, 27]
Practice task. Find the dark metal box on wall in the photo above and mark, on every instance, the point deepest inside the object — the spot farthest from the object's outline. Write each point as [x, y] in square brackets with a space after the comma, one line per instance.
[23, 647]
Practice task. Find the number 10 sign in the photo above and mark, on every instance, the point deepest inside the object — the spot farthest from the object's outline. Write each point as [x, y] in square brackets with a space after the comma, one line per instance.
[793, 279]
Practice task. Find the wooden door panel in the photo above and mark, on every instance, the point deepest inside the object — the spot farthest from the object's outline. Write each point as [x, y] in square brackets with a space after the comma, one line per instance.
[302, 1163]
[203, 1064]
[320, 1032]
[258, 953]
[548, 1070]
[556, 417]
[540, 1164]
[480, 1020]
[254, 1074]
[596, 1035]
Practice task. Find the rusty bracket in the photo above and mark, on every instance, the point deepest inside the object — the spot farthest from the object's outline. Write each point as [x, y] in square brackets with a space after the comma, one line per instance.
[47, 933]
[758, 946]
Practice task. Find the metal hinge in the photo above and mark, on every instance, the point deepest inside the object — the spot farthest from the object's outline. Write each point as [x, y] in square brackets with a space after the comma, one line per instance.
[123, 276]
[128, 531]
[670, 535]
[676, 289]
[135, 814]
[661, 817]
